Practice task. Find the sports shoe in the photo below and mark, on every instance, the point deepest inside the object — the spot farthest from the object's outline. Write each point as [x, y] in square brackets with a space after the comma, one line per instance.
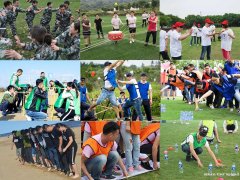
[108, 176]
[139, 168]
[231, 109]
[146, 165]
[130, 170]
[130, 42]
[133, 40]
[211, 106]
[59, 114]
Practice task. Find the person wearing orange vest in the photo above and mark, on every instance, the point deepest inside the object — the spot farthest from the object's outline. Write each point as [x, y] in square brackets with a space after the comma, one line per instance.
[201, 88]
[99, 155]
[130, 132]
[171, 71]
[150, 142]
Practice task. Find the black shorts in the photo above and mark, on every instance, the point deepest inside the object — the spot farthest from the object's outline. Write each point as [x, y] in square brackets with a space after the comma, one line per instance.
[115, 29]
[172, 87]
[132, 30]
[86, 34]
[71, 154]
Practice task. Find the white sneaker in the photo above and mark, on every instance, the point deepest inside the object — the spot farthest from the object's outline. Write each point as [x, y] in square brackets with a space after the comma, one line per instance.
[28, 118]
[130, 42]
[212, 107]
[76, 118]
[231, 109]
[59, 114]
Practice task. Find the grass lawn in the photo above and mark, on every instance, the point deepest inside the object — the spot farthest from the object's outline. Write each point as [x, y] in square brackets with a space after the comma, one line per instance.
[123, 49]
[193, 52]
[22, 28]
[226, 153]
[173, 109]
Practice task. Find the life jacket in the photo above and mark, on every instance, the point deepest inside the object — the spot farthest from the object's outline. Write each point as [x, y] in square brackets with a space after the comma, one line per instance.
[197, 143]
[147, 130]
[97, 148]
[172, 71]
[205, 89]
[206, 76]
[17, 81]
[45, 83]
[143, 89]
[135, 127]
[164, 78]
[179, 83]
[96, 127]
[210, 125]
[76, 102]
[133, 90]
[227, 88]
[230, 122]
[83, 91]
[111, 77]
[59, 102]
[38, 102]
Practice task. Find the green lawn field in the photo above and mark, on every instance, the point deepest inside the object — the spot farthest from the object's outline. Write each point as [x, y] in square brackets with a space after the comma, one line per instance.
[105, 49]
[170, 171]
[22, 28]
[193, 52]
[173, 108]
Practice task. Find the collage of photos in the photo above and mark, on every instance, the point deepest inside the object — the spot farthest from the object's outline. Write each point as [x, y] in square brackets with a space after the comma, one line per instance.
[119, 89]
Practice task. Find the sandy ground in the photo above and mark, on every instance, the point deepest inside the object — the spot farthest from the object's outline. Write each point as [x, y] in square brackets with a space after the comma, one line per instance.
[21, 115]
[11, 169]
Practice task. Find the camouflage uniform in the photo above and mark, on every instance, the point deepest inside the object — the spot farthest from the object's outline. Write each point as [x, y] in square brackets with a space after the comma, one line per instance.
[8, 19]
[62, 22]
[3, 24]
[18, 10]
[30, 15]
[71, 47]
[42, 51]
[46, 18]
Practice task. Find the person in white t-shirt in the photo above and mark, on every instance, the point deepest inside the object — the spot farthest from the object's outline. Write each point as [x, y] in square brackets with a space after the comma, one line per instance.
[207, 34]
[164, 44]
[194, 34]
[199, 34]
[227, 36]
[175, 40]
[116, 22]
[132, 24]
[144, 19]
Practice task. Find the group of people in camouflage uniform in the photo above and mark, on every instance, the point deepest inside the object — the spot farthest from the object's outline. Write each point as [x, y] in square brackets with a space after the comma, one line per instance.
[65, 45]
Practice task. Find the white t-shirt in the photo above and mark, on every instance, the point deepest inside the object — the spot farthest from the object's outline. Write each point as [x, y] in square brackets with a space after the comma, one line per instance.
[116, 22]
[132, 21]
[169, 33]
[163, 37]
[107, 83]
[226, 40]
[144, 16]
[190, 139]
[199, 32]
[127, 16]
[175, 44]
[206, 40]
[213, 28]
[194, 31]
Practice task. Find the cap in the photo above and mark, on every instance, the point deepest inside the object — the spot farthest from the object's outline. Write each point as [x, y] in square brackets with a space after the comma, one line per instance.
[225, 22]
[203, 130]
[179, 24]
[107, 63]
[129, 75]
[207, 20]
[143, 74]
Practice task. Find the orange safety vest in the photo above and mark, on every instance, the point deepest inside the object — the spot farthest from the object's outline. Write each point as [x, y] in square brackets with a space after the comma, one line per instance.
[164, 78]
[96, 127]
[205, 88]
[97, 148]
[135, 127]
[172, 71]
[179, 83]
[147, 130]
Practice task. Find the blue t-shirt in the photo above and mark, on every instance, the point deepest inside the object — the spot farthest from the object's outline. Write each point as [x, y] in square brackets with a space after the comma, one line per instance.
[232, 68]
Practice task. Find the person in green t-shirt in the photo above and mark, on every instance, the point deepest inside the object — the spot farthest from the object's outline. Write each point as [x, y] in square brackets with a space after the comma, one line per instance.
[193, 144]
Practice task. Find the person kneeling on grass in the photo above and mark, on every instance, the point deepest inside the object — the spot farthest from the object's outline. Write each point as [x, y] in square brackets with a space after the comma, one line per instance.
[230, 126]
[193, 144]
[33, 104]
[212, 130]
[7, 104]
[100, 151]
[72, 107]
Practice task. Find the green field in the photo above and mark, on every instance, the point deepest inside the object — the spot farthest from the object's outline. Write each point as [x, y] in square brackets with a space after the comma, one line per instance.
[173, 109]
[169, 171]
[123, 49]
[22, 28]
[193, 52]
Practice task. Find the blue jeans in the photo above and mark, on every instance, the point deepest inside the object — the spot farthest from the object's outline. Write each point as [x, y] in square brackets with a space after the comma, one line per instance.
[4, 107]
[96, 164]
[132, 147]
[53, 155]
[37, 116]
[204, 50]
[193, 38]
[136, 104]
[107, 94]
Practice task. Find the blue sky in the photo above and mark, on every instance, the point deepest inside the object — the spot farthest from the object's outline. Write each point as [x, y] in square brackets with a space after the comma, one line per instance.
[60, 70]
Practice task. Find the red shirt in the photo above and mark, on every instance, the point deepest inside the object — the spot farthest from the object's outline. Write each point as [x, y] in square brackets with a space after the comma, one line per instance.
[151, 25]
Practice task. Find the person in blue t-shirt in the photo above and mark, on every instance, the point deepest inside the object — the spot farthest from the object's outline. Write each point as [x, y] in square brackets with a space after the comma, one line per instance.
[122, 100]
[135, 98]
[110, 84]
[145, 89]
[232, 67]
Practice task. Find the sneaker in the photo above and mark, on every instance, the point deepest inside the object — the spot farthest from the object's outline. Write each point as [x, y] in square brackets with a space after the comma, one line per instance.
[28, 118]
[146, 165]
[231, 109]
[130, 170]
[76, 118]
[188, 158]
[49, 168]
[55, 167]
[139, 168]
[130, 42]
[133, 40]
[211, 106]
[70, 174]
[108, 176]
[59, 114]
